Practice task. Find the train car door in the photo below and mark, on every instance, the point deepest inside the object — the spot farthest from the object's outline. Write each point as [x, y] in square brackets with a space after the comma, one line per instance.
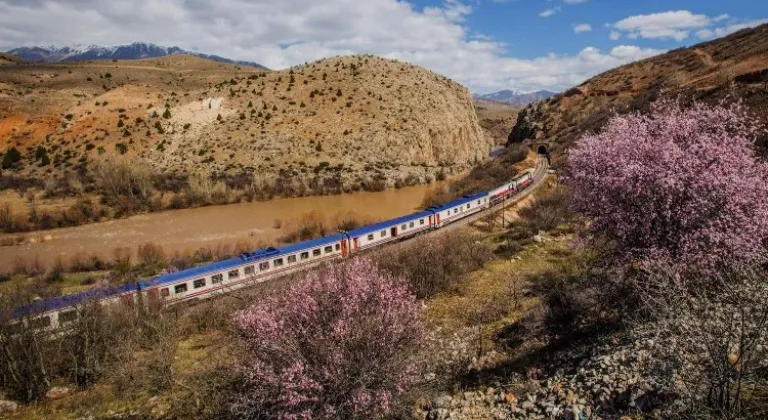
[393, 232]
[344, 249]
[356, 244]
[432, 220]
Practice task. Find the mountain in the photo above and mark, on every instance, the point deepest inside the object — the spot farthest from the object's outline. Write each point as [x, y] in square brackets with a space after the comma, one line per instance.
[516, 98]
[340, 122]
[134, 51]
[733, 67]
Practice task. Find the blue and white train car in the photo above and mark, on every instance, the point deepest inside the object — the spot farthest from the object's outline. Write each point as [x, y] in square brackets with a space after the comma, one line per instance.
[58, 312]
[245, 269]
[390, 230]
[463, 207]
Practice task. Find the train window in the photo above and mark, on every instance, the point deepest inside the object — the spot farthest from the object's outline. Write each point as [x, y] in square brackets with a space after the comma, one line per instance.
[410, 224]
[198, 283]
[383, 233]
[421, 221]
[304, 255]
[455, 211]
[67, 316]
[328, 249]
[338, 247]
[233, 274]
[467, 206]
[264, 266]
[180, 288]
[291, 259]
[248, 271]
[278, 262]
[403, 227]
[370, 237]
[164, 292]
[478, 202]
[42, 322]
[316, 252]
[217, 278]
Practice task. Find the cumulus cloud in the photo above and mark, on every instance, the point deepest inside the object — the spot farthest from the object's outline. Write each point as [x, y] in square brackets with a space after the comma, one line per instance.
[281, 33]
[667, 25]
[550, 12]
[678, 25]
[582, 27]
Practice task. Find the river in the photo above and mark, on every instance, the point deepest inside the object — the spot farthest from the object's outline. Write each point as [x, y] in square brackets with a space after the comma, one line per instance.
[190, 229]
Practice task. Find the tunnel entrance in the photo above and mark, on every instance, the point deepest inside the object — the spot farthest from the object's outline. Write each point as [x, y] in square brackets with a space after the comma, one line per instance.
[542, 150]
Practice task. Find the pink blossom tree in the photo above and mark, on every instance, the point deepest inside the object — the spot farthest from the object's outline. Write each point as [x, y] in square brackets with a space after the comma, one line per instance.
[336, 345]
[680, 186]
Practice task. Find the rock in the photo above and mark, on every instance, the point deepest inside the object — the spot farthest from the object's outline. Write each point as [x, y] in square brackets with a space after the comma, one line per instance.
[7, 406]
[527, 405]
[538, 239]
[511, 399]
[57, 392]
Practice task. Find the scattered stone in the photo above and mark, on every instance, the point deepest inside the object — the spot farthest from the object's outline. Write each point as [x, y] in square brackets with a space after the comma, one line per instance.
[7, 406]
[57, 392]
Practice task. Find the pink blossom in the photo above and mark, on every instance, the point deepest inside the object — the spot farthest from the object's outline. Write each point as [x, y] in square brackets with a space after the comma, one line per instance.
[336, 345]
[680, 185]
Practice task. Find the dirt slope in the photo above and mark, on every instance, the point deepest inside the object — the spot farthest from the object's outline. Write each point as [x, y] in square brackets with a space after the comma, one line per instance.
[733, 67]
[350, 118]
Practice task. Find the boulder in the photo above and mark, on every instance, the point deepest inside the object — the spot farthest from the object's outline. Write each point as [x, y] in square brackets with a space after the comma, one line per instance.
[7, 406]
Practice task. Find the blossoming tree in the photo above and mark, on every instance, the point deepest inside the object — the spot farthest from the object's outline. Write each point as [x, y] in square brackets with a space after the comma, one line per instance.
[680, 186]
[336, 345]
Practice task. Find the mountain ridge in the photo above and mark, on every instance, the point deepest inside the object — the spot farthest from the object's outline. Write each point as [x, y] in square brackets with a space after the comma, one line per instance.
[519, 98]
[133, 51]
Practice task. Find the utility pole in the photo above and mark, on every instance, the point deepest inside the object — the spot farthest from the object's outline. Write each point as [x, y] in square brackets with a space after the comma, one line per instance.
[503, 212]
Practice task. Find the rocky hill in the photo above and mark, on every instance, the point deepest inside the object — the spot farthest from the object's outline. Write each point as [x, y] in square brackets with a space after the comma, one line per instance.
[733, 67]
[136, 50]
[496, 119]
[350, 119]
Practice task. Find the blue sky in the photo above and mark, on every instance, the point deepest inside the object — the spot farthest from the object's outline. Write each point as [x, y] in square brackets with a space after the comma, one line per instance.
[517, 22]
[487, 45]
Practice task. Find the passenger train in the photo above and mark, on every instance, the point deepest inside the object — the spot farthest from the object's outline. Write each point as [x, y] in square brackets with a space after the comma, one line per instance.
[254, 267]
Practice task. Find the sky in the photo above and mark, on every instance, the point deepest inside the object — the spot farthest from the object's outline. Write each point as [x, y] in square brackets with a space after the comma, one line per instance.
[487, 45]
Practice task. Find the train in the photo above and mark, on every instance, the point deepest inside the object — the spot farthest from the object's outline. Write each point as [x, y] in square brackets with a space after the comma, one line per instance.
[248, 268]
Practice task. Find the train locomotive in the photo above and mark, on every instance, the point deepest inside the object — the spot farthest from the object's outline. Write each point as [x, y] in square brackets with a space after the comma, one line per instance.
[264, 264]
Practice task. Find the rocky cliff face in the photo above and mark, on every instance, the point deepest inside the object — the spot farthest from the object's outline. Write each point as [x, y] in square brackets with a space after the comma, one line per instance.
[353, 119]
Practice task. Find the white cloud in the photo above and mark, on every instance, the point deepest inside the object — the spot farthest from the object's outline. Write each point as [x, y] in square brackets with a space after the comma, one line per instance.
[667, 25]
[575, 1]
[281, 33]
[615, 35]
[705, 34]
[737, 26]
[550, 12]
[582, 27]
[720, 18]
[678, 25]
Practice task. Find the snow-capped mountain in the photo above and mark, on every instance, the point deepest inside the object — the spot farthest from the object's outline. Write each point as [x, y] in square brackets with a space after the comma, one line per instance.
[515, 97]
[121, 52]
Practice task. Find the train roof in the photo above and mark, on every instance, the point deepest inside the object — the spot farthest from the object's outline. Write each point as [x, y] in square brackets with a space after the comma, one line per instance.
[387, 223]
[244, 258]
[463, 200]
[47, 305]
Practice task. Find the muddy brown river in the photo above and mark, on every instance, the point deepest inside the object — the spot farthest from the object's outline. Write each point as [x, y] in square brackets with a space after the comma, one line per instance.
[190, 229]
